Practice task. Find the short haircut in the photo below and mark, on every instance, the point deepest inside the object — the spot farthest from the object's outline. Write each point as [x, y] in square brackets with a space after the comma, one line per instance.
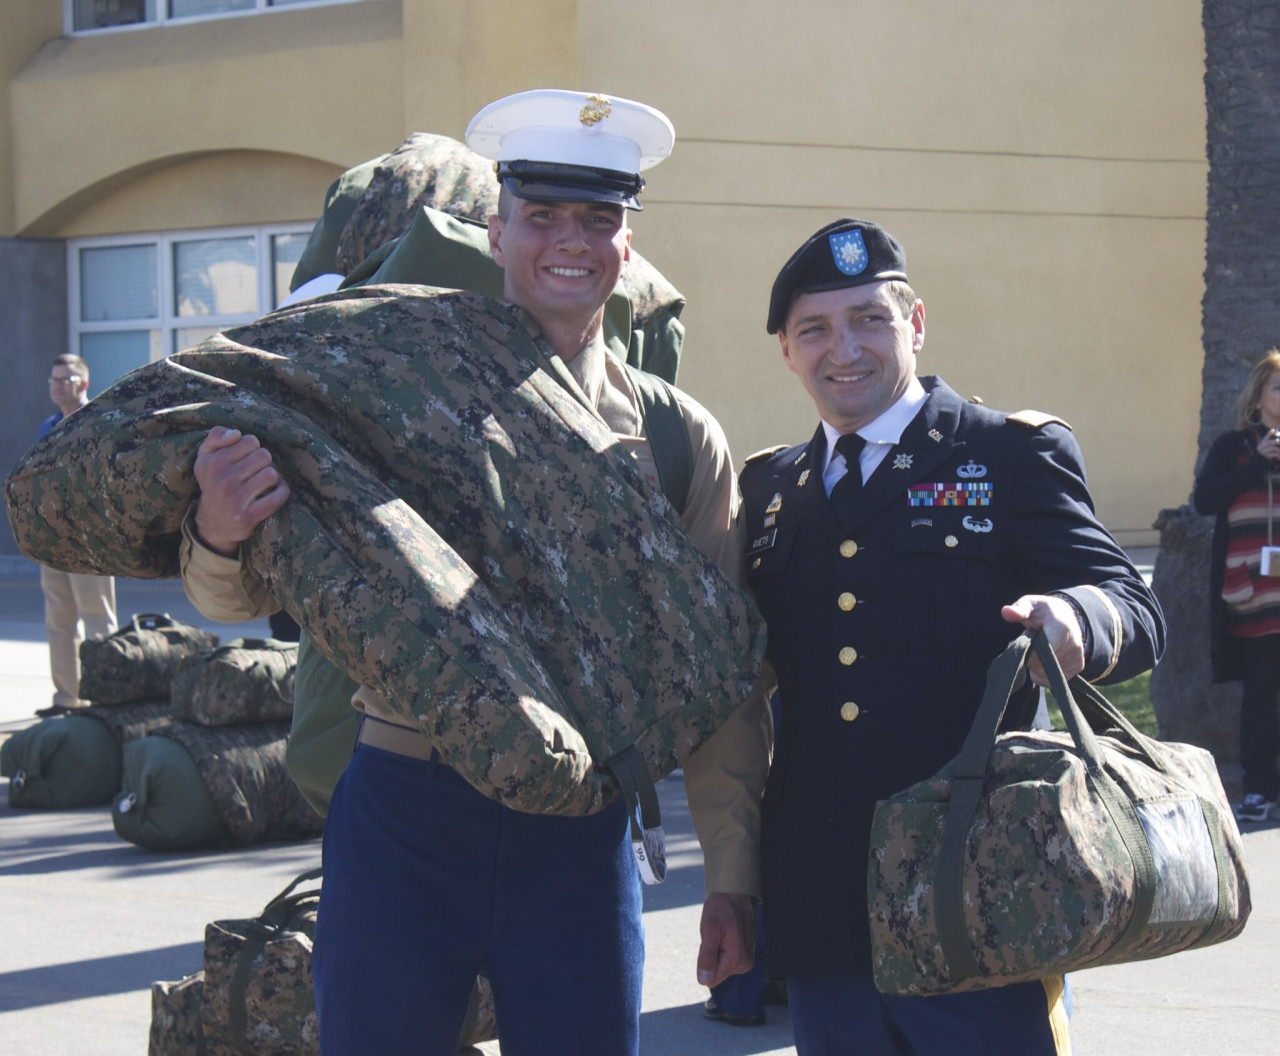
[899, 292]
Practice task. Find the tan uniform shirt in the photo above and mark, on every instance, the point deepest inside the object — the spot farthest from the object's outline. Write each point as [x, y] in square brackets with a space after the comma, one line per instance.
[724, 780]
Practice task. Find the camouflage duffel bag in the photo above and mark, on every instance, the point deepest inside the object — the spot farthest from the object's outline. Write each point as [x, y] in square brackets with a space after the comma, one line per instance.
[138, 661]
[211, 786]
[1036, 853]
[75, 760]
[245, 680]
[254, 994]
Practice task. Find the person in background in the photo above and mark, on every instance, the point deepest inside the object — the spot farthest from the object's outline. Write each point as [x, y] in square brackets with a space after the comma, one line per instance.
[76, 605]
[1239, 483]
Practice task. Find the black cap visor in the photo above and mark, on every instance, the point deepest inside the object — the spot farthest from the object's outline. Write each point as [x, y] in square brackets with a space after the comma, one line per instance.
[549, 182]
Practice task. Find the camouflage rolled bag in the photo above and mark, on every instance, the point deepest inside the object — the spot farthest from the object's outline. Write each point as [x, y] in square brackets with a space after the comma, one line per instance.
[138, 661]
[465, 537]
[245, 680]
[208, 786]
[75, 760]
[1033, 854]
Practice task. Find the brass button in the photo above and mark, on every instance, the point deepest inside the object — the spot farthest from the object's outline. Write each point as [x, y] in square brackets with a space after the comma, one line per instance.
[951, 540]
[846, 601]
[848, 711]
[848, 655]
[848, 548]
[756, 563]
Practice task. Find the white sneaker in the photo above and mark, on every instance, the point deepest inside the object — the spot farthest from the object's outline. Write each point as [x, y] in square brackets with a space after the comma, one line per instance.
[1254, 807]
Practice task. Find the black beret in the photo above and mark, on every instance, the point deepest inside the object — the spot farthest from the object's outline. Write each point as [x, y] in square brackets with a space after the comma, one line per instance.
[844, 253]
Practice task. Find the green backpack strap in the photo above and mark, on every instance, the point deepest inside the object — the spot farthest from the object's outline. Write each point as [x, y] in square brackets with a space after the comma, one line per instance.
[668, 435]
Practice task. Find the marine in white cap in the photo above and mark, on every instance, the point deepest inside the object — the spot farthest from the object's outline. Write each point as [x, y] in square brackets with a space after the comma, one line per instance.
[427, 882]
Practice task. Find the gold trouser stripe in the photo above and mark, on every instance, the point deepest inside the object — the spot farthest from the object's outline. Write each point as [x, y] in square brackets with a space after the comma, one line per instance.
[1117, 635]
[1059, 1024]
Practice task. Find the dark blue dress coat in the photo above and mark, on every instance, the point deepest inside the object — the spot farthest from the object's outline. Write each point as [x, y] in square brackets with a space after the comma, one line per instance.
[881, 630]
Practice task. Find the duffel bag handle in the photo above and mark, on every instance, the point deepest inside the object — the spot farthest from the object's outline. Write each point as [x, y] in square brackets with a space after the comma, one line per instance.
[150, 621]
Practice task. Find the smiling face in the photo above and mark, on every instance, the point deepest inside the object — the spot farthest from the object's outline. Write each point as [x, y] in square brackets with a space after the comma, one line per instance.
[560, 260]
[853, 350]
[1269, 401]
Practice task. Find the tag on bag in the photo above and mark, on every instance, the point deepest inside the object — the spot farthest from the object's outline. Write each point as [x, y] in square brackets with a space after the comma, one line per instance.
[648, 842]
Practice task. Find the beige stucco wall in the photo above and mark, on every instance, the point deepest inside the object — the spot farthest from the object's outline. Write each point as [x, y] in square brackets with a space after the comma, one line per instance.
[1042, 162]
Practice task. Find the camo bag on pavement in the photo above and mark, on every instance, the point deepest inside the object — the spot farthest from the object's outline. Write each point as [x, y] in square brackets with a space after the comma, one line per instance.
[138, 661]
[1033, 854]
[245, 680]
[207, 786]
[254, 994]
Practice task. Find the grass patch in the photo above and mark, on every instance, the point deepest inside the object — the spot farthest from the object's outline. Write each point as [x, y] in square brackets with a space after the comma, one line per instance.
[1132, 699]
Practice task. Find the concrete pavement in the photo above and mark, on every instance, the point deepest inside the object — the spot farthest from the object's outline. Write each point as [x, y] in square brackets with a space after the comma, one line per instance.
[88, 921]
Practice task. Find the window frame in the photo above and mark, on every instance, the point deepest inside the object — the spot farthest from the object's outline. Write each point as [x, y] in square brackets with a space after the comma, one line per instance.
[163, 18]
[167, 320]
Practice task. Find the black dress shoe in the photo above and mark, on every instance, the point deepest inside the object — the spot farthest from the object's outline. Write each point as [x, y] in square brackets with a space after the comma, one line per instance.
[713, 1011]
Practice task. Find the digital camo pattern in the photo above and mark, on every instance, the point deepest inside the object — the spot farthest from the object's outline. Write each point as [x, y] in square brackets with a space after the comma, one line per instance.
[245, 680]
[138, 661]
[131, 722]
[266, 1008]
[426, 169]
[464, 536]
[176, 1029]
[1042, 896]
[243, 770]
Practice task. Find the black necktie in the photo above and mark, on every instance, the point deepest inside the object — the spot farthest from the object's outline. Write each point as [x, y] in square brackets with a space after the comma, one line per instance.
[845, 491]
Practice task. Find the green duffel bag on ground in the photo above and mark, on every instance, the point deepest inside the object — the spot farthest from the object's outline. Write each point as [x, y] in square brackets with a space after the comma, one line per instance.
[163, 803]
[245, 680]
[223, 785]
[75, 760]
[138, 661]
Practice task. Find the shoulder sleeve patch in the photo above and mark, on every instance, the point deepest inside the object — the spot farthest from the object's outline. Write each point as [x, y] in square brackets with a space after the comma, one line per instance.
[764, 453]
[1036, 419]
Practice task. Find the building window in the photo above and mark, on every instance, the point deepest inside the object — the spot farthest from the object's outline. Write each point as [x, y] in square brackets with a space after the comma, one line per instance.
[136, 299]
[88, 15]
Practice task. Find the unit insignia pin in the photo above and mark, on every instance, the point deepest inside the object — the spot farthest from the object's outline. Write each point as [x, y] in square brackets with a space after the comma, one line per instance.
[902, 461]
[775, 504]
[804, 479]
[935, 436]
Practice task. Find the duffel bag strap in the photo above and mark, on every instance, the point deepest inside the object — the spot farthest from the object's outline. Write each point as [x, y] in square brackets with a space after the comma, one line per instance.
[271, 923]
[648, 842]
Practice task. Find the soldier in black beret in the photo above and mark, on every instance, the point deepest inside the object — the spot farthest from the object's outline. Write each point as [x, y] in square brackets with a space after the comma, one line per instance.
[894, 554]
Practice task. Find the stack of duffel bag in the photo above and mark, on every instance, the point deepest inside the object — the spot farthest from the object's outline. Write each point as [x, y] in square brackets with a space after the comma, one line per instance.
[76, 760]
[216, 775]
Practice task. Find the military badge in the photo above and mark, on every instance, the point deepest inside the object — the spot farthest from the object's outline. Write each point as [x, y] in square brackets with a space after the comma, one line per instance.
[804, 479]
[983, 525]
[947, 493]
[595, 111]
[971, 471]
[902, 462]
[775, 504]
[935, 436]
[849, 251]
